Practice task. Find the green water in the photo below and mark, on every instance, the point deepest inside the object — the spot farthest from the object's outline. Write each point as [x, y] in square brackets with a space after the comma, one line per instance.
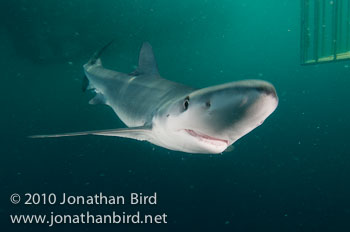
[290, 174]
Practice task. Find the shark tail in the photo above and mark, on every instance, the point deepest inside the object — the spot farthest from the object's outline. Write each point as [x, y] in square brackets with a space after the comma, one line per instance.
[95, 59]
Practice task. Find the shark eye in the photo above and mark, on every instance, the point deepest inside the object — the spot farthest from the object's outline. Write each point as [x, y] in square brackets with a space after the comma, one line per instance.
[186, 103]
[208, 104]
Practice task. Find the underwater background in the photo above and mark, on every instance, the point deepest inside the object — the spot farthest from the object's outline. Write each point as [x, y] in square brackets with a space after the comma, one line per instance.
[290, 174]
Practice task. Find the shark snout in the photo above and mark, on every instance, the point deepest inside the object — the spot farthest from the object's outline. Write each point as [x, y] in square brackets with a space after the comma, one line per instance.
[268, 90]
[262, 87]
[262, 95]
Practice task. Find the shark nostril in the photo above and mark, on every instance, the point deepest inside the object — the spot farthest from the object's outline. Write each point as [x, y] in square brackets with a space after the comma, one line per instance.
[268, 90]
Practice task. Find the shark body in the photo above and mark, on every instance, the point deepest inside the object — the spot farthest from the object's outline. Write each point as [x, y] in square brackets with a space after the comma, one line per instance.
[173, 115]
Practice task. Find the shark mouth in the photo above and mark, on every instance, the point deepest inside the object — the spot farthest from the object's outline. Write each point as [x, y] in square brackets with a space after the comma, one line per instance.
[207, 138]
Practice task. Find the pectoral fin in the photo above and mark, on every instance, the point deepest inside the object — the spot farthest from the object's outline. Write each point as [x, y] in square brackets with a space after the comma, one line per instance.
[139, 133]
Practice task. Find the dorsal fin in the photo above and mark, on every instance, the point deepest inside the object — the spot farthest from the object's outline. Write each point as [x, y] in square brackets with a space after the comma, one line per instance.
[147, 62]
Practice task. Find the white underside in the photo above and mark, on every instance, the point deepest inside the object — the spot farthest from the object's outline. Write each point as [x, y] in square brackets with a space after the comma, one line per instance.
[186, 140]
[194, 141]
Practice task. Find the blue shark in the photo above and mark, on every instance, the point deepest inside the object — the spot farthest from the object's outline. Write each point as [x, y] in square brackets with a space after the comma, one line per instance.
[173, 115]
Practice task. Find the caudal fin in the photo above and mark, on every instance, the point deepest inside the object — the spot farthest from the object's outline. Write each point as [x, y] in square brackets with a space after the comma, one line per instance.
[95, 59]
[98, 53]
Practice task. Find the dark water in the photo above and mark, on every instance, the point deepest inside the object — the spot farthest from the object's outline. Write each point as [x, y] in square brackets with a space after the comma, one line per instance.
[290, 174]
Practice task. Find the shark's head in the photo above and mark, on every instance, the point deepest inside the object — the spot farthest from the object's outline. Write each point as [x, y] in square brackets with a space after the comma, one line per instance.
[211, 119]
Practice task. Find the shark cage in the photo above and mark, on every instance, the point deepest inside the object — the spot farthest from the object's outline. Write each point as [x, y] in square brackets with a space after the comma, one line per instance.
[325, 31]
